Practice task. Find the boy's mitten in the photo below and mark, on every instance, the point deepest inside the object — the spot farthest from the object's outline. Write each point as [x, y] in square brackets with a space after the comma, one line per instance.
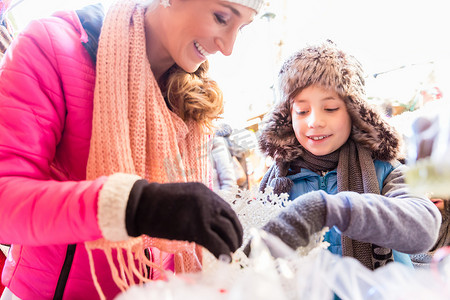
[183, 211]
[303, 217]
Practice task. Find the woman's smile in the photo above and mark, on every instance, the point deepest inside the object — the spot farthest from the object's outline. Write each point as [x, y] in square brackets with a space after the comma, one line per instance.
[200, 50]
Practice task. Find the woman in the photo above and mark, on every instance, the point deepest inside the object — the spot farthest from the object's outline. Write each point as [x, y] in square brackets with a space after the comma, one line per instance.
[103, 123]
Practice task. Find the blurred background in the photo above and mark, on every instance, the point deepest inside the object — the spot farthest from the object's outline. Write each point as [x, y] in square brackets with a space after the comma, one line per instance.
[403, 46]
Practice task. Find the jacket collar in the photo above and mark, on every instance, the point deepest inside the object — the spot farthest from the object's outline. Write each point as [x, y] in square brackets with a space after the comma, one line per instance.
[305, 173]
[91, 18]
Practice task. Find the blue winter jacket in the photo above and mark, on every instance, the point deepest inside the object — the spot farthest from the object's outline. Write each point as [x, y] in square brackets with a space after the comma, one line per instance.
[307, 181]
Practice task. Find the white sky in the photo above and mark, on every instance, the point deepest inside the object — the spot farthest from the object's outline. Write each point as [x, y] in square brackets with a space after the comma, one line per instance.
[382, 34]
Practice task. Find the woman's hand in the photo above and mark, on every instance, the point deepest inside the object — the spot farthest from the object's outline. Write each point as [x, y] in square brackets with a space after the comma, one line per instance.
[183, 211]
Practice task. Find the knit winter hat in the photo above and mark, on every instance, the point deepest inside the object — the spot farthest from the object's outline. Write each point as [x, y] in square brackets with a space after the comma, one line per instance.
[255, 4]
[329, 67]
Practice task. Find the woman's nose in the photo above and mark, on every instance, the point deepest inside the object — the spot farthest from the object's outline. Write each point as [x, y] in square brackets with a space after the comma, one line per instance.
[226, 42]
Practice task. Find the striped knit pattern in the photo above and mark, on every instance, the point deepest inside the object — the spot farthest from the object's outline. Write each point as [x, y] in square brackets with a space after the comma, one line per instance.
[356, 172]
[5, 39]
[133, 130]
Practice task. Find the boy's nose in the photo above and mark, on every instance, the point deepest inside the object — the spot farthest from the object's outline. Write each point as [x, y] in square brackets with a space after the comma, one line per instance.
[315, 120]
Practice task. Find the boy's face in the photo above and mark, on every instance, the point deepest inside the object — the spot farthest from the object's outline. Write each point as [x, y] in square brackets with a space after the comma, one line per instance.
[320, 120]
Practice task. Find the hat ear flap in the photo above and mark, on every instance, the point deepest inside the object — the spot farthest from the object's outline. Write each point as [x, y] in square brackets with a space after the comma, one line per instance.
[277, 138]
[372, 131]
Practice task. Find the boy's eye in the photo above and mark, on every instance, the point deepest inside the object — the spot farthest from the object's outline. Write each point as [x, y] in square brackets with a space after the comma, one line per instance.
[220, 19]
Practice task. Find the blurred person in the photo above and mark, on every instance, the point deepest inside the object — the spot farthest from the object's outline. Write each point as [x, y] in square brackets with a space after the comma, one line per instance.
[423, 260]
[428, 148]
[237, 152]
[223, 168]
[6, 31]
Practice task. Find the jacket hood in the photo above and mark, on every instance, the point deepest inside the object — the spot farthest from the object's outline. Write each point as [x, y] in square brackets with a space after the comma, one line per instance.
[91, 18]
[328, 67]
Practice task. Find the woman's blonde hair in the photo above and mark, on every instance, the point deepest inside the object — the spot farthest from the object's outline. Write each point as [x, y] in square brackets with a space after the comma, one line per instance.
[193, 95]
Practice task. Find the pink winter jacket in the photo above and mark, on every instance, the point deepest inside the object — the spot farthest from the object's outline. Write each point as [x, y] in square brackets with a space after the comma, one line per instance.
[46, 90]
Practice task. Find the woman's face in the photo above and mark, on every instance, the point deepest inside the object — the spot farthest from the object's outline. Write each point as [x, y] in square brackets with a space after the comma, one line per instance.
[190, 30]
[320, 120]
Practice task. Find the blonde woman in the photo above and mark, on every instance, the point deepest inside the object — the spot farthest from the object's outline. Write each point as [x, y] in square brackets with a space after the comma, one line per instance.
[104, 123]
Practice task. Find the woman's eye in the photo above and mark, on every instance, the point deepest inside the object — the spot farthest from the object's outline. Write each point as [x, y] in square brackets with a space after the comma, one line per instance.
[220, 19]
[301, 112]
[332, 109]
[242, 27]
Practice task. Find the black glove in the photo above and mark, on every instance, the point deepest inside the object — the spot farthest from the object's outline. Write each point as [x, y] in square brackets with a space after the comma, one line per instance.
[183, 211]
[297, 222]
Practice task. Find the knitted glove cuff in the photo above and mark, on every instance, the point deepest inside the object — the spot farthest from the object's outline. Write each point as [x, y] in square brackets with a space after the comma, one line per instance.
[132, 207]
[305, 216]
[112, 203]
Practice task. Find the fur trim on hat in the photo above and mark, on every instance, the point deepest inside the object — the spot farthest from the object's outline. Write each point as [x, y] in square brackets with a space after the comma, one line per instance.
[328, 67]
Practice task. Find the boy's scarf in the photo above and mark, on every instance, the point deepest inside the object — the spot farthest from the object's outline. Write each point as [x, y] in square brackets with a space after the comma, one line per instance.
[355, 172]
[133, 130]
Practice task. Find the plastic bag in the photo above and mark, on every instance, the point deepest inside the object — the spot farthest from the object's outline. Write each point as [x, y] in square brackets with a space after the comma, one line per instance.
[429, 153]
[274, 271]
[318, 276]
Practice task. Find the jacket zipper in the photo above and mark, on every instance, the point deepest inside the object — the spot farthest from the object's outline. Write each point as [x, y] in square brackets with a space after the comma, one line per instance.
[323, 183]
[65, 270]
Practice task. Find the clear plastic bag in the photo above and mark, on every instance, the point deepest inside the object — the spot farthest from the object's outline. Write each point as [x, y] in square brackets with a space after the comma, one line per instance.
[317, 276]
[428, 149]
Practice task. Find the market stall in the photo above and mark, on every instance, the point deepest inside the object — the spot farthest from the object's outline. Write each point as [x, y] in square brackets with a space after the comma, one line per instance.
[274, 271]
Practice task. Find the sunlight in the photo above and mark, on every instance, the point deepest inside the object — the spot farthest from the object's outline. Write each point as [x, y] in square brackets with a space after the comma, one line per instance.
[401, 44]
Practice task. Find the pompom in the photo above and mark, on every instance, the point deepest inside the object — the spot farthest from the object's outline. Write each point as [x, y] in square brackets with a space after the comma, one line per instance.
[281, 185]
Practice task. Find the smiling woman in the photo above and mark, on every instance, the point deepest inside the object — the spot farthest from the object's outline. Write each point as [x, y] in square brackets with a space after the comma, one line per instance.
[192, 30]
[117, 111]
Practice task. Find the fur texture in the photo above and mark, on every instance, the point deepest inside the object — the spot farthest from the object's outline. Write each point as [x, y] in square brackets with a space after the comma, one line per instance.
[329, 67]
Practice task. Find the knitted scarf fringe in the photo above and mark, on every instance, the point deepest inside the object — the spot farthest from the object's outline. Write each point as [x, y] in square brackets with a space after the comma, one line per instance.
[131, 268]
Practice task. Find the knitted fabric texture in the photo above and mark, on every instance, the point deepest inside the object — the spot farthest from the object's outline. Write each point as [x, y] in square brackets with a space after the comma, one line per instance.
[356, 172]
[134, 132]
[327, 66]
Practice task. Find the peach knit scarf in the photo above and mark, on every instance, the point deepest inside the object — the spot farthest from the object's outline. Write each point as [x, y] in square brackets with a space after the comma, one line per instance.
[134, 132]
